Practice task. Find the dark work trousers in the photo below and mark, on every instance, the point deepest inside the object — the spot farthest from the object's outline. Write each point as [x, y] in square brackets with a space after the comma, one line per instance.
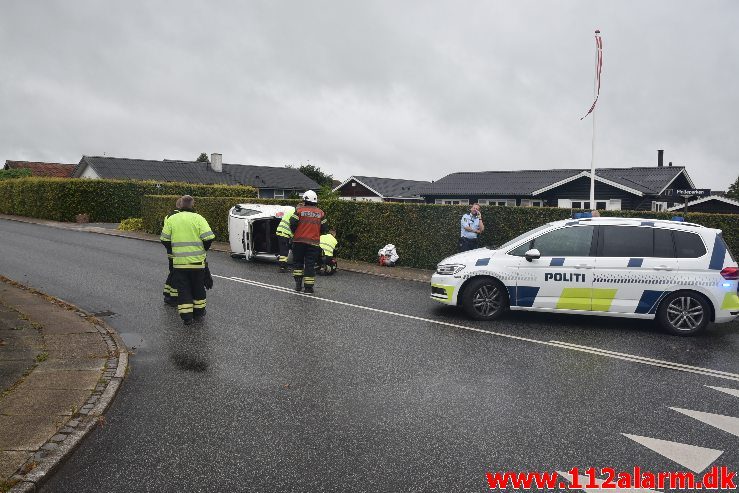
[284, 248]
[170, 293]
[190, 286]
[467, 244]
[304, 261]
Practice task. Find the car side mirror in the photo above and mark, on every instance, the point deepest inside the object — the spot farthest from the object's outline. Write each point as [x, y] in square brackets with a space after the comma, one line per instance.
[532, 254]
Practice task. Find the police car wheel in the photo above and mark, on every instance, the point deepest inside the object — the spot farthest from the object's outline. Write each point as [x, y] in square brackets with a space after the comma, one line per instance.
[485, 299]
[684, 313]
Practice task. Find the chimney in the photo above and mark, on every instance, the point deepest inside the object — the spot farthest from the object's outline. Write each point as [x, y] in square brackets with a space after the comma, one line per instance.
[660, 158]
[670, 165]
[216, 162]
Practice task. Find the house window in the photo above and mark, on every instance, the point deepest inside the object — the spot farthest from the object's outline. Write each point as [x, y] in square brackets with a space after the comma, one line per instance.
[659, 206]
[498, 202]
[610, 204]
[453, 201]
[279, 193]
[532, 203]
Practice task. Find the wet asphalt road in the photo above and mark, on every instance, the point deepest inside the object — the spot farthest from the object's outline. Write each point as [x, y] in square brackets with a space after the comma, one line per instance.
[277, 391]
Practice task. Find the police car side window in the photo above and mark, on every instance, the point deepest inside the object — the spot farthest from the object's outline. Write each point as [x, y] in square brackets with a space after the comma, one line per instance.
[627, 241]
[663, 244]
[565, 242]
[688, 245]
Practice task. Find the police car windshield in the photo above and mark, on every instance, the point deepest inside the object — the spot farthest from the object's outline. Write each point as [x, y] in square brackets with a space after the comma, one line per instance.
[521, 237]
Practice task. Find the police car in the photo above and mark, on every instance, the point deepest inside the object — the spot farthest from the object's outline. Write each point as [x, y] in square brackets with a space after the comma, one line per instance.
[680, 273]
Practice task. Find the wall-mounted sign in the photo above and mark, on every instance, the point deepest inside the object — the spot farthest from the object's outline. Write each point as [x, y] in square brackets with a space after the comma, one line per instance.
[693, 192]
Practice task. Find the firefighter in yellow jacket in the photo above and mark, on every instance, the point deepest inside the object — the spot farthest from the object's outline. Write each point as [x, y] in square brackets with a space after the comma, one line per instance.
[328, 246]
[170, 293]
[284, 237]
[187, 236]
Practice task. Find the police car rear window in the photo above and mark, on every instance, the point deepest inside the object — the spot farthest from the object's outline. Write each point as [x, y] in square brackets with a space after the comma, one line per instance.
[726, 246]
[688, 245]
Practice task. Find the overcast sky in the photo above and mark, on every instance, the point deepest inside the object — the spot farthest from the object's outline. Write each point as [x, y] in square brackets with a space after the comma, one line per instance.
[402, 89]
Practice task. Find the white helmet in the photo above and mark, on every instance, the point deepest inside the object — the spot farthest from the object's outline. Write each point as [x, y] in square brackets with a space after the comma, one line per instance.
[310, 196]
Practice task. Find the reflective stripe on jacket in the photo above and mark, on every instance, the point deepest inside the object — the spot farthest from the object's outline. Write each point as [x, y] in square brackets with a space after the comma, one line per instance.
[187, 231]
[283, 229]
[328, 244]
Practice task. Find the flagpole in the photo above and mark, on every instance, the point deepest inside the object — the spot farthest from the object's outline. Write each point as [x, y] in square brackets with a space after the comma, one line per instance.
[592, 152]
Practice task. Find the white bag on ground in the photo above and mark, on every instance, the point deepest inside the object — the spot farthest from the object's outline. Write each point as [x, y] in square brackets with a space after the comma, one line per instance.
[388, 255]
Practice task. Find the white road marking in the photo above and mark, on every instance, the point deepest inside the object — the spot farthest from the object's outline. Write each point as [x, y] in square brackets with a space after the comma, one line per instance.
[734, 392]
[694, 458]
[562, 345]
[585, 480]
[729, 424]
[656, 362]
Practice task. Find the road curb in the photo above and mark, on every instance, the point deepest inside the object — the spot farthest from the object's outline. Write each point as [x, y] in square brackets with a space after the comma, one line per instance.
[52, 453]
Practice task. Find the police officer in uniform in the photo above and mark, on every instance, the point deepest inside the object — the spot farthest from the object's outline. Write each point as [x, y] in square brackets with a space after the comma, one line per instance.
[170, 293]
[307, 224]
[187, 236]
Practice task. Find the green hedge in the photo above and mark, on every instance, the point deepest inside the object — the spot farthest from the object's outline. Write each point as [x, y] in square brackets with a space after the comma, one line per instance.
[10, 174]
[423, 233]
[214, 209]
[60, 199]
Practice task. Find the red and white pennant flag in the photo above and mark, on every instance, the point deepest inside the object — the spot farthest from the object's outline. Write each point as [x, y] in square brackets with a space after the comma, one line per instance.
[598, 67]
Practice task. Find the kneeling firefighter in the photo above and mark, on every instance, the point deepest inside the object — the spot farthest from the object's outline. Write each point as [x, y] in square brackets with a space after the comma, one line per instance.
[328, 248]
[307, 224]
[187, 236]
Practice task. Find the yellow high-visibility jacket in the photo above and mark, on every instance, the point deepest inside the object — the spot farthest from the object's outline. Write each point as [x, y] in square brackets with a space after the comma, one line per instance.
[328, 244]
[186, 231]
[283, 229]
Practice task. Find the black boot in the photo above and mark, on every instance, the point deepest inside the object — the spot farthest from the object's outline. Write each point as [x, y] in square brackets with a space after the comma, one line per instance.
[308, 289]
[298, 284]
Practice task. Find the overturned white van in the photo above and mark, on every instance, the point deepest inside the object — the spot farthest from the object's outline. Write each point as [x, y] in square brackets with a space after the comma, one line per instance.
[251, 230]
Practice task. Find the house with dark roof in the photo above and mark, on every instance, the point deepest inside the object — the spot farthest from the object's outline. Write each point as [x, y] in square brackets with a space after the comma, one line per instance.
[54, 170]
[637, 188]
[272, 182]
[717, 204]
[374, 189]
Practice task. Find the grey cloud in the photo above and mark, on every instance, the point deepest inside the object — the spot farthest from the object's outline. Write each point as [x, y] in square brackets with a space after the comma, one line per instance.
[402, 89]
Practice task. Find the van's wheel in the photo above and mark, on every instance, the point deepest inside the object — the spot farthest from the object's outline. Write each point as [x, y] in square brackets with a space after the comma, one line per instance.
[485, 299]
[684, 313]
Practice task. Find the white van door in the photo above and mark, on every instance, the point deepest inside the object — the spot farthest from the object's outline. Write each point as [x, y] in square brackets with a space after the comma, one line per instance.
[236, 233]
[247, 239]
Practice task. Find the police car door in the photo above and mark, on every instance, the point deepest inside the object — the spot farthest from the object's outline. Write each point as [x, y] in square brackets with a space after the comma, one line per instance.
[635, 263]
[562, 278]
